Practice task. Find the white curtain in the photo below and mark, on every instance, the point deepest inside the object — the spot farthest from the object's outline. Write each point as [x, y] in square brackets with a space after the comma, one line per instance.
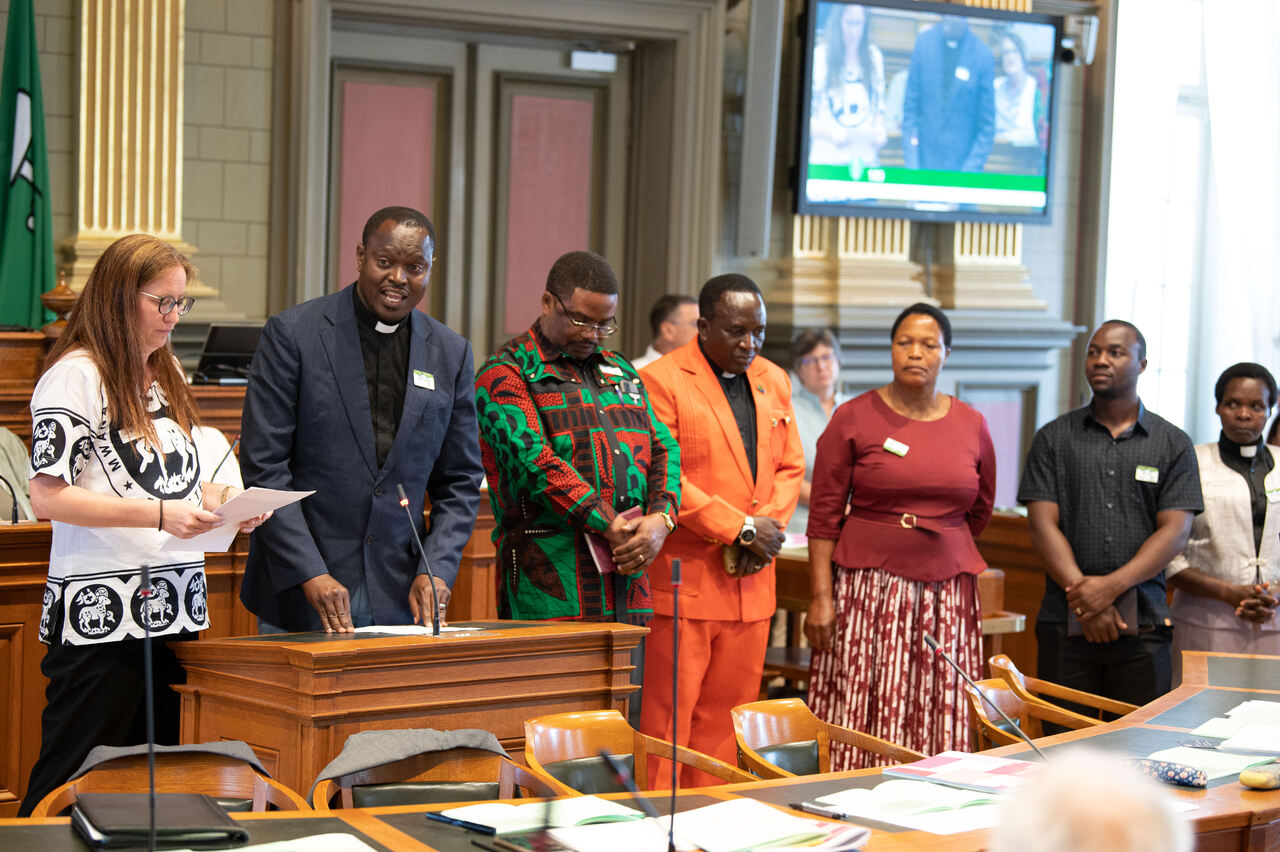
[1241, 317]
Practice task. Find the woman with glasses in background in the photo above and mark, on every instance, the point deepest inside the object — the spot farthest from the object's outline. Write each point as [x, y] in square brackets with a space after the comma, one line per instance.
[815, 358]
[114, 466]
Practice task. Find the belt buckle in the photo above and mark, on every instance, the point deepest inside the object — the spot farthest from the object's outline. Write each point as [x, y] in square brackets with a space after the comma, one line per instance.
[908, 521]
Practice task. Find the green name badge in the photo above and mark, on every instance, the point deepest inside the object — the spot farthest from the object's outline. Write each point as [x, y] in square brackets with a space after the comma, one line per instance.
[1146, 473]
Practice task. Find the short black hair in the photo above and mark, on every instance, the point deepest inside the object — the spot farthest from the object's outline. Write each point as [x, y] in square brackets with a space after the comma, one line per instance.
[665, 307]
[713, 291]
[401, 216]
[810, 339]
[581, 270]
[928, 310]
[1245, 370]
[1142, 341]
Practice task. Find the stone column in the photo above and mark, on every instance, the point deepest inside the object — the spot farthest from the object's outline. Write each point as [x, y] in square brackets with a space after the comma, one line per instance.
[129, 173]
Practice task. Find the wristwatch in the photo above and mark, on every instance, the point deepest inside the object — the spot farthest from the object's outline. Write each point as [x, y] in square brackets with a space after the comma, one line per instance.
[748, 533]
[669, 521]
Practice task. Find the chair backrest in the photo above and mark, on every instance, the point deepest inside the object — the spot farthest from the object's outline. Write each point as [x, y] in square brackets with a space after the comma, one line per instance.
[455, 775]
[1035, 689]
[986, 725]
[225, 778]
[784, 735]
[567, 747]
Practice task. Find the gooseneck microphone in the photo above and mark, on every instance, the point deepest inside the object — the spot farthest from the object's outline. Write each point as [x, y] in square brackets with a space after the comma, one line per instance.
[435, 601]
[14, 496]
[620, 774]
[937, 649]
[676, 580]
[231, 449]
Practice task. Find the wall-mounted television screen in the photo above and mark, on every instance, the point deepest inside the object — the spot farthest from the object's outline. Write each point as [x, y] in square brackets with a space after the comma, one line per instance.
[926, 111]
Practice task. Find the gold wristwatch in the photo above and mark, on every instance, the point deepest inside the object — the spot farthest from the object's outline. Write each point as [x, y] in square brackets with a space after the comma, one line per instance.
[669, 521]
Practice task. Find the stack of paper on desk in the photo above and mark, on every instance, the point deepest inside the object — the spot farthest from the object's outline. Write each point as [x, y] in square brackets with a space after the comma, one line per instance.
[1238, 717]
[1255, 738]
[575, 810]
[1214, 763]
[980, 772]
[735, 825]
[921, 805]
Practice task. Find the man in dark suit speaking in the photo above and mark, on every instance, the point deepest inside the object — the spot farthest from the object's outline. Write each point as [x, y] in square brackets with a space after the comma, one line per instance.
[949, 114]
[350, 395]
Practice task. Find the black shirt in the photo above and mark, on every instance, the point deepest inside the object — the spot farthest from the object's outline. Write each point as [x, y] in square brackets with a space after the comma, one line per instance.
[386, 364]
[737, 389]
[1254, 470]
[1108, 492]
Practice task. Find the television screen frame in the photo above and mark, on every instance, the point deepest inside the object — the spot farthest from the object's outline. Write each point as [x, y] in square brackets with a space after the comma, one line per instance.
[933, 212]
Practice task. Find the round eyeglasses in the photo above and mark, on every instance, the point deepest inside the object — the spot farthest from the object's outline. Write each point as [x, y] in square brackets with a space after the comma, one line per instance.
[604, 329]
[167, 303]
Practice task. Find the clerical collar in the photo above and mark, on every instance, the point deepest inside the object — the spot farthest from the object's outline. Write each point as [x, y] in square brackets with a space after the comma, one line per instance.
[716, 368]
[366, 316]
[1230, 449]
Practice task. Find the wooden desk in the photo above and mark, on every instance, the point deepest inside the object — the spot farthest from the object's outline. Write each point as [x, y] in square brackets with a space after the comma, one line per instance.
[296, 698]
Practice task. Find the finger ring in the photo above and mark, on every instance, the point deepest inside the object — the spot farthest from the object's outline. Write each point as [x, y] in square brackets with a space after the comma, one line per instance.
[1079, 611]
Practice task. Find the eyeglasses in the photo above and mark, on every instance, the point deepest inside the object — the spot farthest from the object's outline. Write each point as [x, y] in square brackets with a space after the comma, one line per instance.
[818, 360]
[168, 303]
[604, 329]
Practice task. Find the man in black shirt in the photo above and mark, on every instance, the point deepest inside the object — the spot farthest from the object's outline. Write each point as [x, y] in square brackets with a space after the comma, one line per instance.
[1110, 490]
[350, 395]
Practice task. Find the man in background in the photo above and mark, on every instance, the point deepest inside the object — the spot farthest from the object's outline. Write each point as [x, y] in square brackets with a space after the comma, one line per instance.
[351, 395]
[1110, 489]
[949, 112]
[674, 321]
[741, 469]
[570, 443]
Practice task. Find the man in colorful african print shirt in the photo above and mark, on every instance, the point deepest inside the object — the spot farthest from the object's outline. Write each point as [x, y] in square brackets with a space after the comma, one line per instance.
[569, 443]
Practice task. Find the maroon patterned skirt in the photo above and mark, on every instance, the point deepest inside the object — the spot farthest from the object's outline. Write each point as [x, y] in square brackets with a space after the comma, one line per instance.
[880, 678]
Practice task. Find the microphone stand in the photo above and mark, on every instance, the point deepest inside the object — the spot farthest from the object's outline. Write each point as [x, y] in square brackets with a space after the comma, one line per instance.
[148, 673]
[413, 527]
[676, 580]
[937, 649]
[14, 496]
[231, 449]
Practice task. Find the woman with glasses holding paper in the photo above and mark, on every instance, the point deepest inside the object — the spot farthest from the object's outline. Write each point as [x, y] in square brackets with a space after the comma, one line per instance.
[916, 470]
[1225, 581]
[114, 466]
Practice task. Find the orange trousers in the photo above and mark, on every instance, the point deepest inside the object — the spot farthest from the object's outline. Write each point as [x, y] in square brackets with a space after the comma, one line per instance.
[721, 663]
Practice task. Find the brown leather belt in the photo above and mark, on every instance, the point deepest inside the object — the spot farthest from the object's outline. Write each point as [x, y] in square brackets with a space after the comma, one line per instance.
[908, 520]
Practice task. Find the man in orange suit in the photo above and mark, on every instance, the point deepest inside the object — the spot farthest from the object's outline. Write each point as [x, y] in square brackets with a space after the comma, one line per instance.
[741, 469]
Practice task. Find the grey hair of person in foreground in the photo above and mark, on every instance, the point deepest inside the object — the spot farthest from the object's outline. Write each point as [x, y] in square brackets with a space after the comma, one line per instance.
[1085, 799]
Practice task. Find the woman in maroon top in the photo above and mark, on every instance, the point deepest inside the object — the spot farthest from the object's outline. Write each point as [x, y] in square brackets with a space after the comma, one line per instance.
[917, 471]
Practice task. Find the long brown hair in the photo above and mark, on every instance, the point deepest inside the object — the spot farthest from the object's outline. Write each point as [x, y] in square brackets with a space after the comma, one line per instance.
[104, 323]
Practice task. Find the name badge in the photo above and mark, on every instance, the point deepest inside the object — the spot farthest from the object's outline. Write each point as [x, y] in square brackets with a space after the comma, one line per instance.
[610, 370]
[1144, 473]
[896, 447]
[1273, 495]
[962, 74]
[423, 379]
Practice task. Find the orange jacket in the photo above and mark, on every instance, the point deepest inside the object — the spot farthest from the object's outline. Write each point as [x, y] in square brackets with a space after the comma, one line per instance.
[716, 491]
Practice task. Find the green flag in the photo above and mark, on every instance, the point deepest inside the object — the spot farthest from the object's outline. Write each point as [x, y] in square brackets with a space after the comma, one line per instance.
[26, 228]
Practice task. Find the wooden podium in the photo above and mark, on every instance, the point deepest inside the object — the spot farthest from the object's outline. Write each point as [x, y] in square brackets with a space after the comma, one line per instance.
[296, 698]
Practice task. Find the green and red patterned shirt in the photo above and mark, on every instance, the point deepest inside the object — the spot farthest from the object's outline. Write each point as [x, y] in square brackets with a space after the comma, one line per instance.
[568, 445]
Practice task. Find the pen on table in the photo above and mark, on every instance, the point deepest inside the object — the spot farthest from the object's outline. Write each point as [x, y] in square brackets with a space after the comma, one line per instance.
[818, 810]
[461, 823]
[231, 449]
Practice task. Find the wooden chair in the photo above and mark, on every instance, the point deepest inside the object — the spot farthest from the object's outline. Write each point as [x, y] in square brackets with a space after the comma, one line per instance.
[455, 775]
[1031, 688]
[236, 784]
[567, 747]
[782, 738]
[989, 730]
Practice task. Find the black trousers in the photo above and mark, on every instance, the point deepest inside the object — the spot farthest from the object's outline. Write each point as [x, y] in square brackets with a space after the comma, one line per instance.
[1137, 669]
[96, 696]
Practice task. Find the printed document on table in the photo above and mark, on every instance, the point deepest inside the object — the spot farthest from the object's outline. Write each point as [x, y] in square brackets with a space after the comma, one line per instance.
[240, 508]
[1243, 714]
[922, 805]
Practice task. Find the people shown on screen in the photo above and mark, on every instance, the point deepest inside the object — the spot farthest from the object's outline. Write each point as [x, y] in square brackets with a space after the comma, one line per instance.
[848, 126]
[948, 115]
[1018, 106]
